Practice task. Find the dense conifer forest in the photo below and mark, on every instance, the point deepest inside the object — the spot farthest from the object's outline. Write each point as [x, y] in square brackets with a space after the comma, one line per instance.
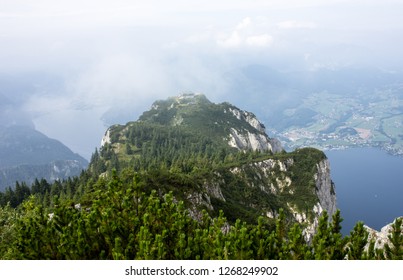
[120, 216]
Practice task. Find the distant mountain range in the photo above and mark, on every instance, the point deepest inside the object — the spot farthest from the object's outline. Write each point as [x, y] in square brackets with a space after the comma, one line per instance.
[26, 154]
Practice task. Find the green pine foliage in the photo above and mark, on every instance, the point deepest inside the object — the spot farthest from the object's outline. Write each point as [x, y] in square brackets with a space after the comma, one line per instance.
[357, 242]
[121, 221]
[394, 251]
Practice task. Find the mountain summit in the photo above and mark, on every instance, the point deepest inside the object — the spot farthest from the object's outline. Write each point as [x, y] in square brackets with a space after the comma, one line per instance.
[221, 122]
[217, 157]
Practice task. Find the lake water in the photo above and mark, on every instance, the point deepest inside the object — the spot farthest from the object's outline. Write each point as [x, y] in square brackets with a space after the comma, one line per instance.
[369, 186]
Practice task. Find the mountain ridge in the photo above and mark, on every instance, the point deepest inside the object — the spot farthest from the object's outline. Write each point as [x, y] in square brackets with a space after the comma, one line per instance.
[226, 158]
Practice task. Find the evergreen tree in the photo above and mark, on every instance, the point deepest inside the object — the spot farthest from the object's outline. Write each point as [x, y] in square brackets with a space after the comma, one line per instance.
[297, 247]
[394, 250]
[8, 219]
[358, 240]
[322, 239]
[338, 242]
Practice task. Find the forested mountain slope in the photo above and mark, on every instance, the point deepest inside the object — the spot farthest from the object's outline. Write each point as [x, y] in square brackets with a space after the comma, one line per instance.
[27, 154]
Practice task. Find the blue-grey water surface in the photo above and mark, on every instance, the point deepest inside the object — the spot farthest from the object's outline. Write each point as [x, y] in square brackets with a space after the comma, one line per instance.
[369, 186]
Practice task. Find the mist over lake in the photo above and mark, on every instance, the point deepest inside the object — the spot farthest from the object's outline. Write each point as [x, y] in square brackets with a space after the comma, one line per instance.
[369, 186]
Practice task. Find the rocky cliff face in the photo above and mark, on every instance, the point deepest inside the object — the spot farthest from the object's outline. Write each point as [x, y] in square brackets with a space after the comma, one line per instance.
[270, 180]
[106, 139]
[325, 191]
[380, 237]
[325, 188]
[247, 140]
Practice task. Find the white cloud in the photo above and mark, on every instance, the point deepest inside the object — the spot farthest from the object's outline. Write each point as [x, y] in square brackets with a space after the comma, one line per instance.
[248, 33]
[294, 24]
[263, 40]
[234, 40]
[245, 23]
[38, 105]
[121, 78]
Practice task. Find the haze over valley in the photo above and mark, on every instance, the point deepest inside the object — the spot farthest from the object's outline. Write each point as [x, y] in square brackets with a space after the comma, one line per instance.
[85, 66]
[314, 75]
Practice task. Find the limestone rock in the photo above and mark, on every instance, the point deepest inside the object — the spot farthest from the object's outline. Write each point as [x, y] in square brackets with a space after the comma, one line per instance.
[325, 188]
[380, 237]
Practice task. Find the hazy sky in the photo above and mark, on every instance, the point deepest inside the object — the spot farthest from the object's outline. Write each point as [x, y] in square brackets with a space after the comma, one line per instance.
[67, 64]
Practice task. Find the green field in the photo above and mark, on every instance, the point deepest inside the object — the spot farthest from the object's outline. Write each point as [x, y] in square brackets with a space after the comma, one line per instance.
[340, 121]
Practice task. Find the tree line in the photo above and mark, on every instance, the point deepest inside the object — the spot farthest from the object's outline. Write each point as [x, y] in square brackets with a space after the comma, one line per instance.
[119, 217]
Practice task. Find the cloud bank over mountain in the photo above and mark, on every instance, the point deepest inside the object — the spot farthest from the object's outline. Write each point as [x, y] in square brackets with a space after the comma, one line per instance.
[73, 67]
